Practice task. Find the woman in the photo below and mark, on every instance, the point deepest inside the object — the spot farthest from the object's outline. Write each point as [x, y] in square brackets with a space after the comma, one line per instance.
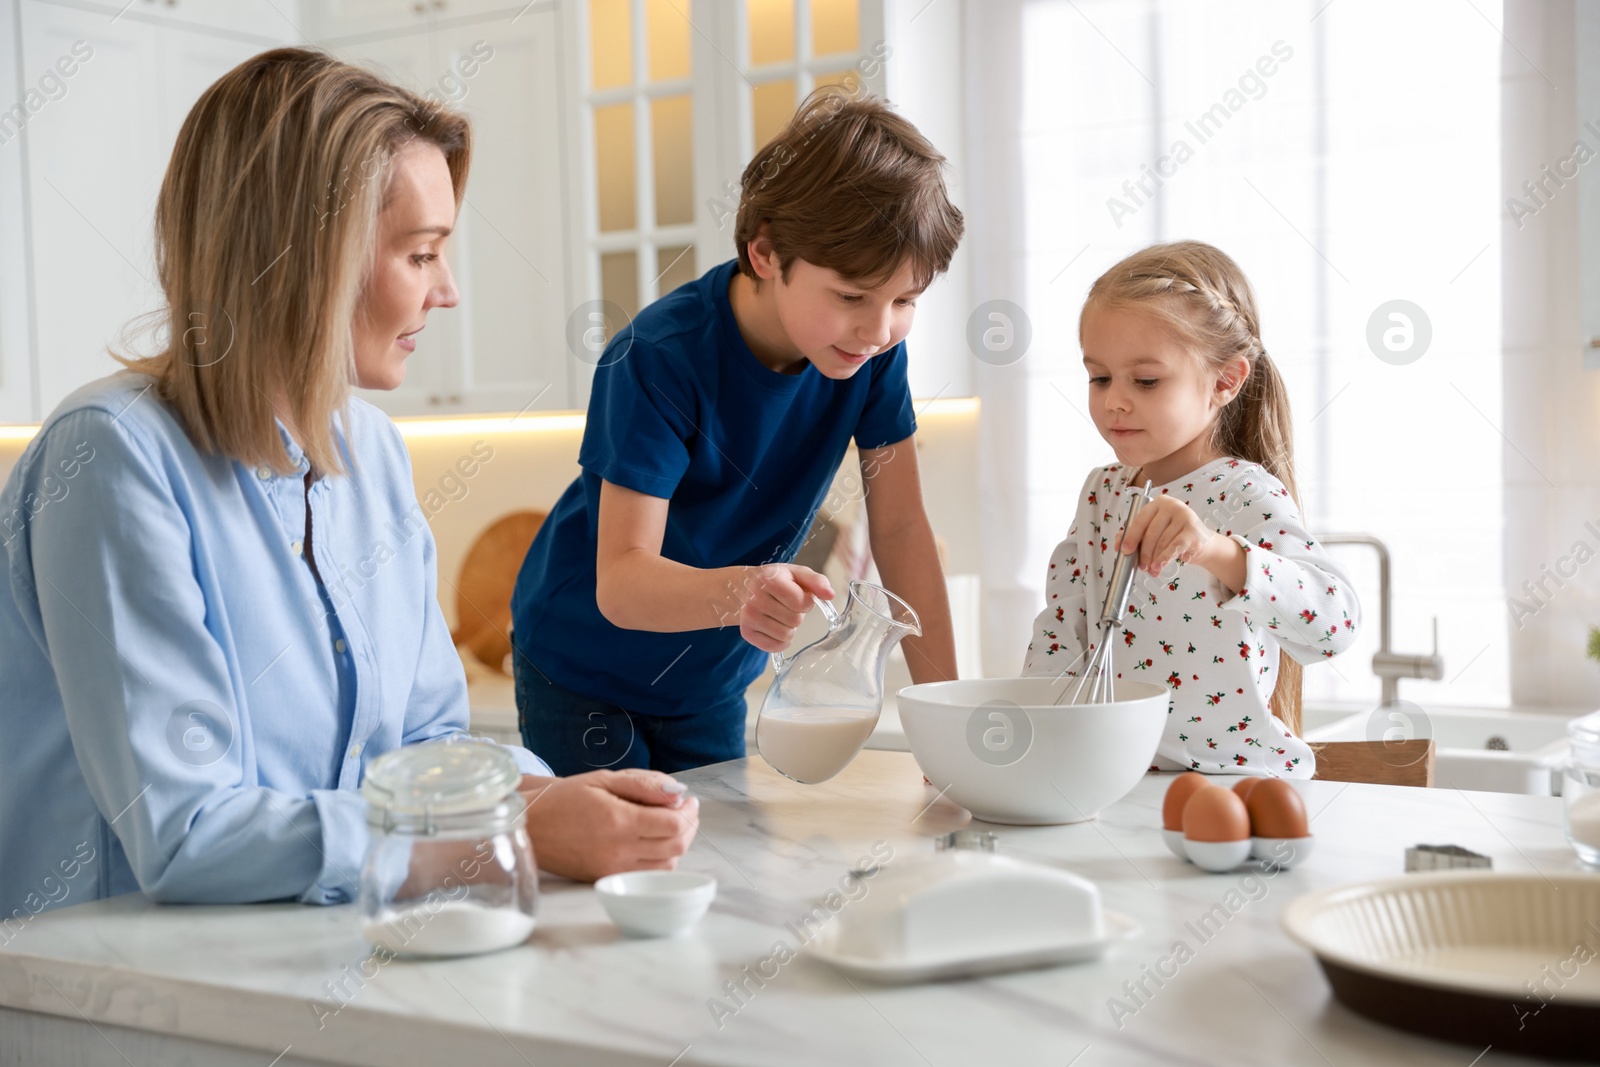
[198, 666]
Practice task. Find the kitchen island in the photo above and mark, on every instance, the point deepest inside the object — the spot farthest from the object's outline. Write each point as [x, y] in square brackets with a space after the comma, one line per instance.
[124, 981]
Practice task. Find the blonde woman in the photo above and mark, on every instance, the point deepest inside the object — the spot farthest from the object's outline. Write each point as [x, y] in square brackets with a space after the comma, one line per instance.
[185, 707]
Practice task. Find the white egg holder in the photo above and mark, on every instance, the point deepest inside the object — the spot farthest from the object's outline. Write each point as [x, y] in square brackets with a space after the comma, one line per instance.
[1219, 857]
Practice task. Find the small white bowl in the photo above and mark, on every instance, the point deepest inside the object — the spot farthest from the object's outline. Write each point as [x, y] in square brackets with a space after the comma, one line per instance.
[1174, 840]
[1282, 852]
[656, 903]
[1217, 856]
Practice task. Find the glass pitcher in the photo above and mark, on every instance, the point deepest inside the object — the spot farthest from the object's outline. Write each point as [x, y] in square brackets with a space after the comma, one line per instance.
[826, 699]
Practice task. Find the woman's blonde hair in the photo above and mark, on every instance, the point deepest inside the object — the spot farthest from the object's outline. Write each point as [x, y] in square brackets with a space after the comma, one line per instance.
[264, 234]
[1200, 293]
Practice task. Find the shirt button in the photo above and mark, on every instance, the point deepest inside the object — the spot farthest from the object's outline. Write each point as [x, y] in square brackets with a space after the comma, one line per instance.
[297, 547]
[355, 750]
[264, 473]
[338, 645]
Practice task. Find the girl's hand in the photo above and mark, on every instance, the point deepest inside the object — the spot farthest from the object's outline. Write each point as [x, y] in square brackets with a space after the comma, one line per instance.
[1166, 529]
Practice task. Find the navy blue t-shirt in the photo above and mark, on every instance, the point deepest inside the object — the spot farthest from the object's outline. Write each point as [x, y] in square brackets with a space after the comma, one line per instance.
[682, 409]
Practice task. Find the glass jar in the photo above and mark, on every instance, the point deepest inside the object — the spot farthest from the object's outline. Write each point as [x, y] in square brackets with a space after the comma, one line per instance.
[1580, 787]
[449, 869]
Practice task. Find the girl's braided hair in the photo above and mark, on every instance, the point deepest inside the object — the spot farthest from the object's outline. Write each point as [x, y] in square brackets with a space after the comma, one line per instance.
[1200, 293]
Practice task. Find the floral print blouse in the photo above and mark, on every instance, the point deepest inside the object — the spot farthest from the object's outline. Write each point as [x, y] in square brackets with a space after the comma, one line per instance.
[1216, 652]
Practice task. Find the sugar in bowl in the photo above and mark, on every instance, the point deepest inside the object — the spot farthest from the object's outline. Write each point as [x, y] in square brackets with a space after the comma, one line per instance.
[449, 870]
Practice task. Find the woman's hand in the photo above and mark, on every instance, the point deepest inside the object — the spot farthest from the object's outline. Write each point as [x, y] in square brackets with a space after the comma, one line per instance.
[1166, 529]
[590, 825]
[775, 603]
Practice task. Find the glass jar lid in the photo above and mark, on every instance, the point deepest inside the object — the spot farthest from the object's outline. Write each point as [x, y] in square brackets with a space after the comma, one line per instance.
[452, 779]
[1584, 733]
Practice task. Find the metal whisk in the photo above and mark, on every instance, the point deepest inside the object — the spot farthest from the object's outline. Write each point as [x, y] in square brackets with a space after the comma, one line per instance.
[1096, 684]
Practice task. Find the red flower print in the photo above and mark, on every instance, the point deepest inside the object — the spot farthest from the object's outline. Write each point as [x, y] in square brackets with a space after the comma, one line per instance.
[1240, 760]
[1308, 615]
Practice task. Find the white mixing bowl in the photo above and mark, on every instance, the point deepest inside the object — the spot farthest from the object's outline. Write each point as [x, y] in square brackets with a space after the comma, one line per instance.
[1002, 749]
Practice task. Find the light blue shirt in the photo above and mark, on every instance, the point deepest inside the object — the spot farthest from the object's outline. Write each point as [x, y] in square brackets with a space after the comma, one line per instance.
[183, 709]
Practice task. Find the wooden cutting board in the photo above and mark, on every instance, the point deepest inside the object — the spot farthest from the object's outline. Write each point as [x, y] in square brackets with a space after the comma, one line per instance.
[483, 589]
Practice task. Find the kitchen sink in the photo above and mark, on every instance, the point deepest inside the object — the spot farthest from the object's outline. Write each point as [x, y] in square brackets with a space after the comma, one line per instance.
[1490, 749]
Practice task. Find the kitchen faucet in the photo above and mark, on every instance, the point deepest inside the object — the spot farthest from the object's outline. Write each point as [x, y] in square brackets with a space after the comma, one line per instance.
[1388, 665]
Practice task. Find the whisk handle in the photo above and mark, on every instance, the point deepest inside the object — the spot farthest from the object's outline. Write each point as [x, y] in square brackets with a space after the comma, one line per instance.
[1117, 590]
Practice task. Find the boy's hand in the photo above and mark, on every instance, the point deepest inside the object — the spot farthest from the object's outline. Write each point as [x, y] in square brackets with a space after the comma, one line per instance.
[776, 599]
[1166, 529]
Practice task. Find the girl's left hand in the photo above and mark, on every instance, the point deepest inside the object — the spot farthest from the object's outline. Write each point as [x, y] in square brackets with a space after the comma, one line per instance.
[1166, 529]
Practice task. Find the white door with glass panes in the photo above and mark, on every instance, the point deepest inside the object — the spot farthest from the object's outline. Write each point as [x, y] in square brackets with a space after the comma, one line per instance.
[668, 114]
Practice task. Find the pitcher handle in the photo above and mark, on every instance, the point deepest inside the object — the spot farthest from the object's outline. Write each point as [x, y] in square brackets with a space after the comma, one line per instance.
[829, 612]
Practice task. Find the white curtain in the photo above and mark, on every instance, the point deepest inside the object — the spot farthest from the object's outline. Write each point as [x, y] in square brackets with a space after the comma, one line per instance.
[1346, 156]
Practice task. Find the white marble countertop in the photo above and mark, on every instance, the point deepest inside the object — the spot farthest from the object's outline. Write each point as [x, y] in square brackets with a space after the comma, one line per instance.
[256, 977]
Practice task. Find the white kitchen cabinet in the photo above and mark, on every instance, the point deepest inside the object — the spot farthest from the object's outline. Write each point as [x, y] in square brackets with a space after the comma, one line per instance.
[503, 349]
[16, 323]
[511, 257]
[93, 164]
[409, 60]
[269, 20]
[330, 21]
[1587, 171]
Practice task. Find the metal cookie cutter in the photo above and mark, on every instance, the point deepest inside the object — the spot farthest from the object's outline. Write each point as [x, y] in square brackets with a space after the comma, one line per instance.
[1443, 857]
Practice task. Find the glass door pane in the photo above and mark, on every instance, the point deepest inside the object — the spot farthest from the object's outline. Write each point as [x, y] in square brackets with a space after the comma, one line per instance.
[614, 163]
[610, 43]
[672, 144]
[771, 31]
[772, 105]
[835, 27]
[666, 25]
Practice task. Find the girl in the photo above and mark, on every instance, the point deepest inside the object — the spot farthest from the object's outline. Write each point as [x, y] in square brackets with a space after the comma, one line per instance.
[1233, 594]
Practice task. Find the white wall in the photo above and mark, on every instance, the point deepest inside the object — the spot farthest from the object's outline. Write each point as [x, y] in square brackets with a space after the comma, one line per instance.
[1552, 404]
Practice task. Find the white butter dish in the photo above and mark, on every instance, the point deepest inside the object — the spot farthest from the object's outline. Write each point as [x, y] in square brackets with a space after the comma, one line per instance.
[966, 912]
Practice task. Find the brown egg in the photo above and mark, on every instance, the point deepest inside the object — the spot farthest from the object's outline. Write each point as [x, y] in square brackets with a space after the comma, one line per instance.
[1276, 810]
[1243, 787]
[1215, 815]
[1178, 793]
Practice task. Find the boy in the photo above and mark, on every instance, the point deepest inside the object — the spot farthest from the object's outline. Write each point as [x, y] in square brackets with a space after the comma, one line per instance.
[716, 424]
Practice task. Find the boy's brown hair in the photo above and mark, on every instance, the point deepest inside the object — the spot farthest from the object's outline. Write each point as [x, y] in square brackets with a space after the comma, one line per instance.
[852, 187]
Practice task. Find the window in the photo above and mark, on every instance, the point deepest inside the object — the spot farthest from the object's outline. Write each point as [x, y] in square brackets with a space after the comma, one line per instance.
[1344, 167]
